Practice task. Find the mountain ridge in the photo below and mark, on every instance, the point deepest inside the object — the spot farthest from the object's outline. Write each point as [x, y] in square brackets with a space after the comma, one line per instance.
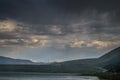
[109, 62]
[7, 60]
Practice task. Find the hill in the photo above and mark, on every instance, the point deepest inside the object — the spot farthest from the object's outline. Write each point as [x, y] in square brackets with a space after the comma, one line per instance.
[111, 60]
[6, 60]
[108, 62]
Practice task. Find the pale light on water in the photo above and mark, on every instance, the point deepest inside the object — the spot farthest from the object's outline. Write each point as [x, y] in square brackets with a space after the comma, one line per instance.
[31, 76]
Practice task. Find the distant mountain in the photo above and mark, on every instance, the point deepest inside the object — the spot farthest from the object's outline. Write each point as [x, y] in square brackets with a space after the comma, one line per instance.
[6, 60]
[108, 62]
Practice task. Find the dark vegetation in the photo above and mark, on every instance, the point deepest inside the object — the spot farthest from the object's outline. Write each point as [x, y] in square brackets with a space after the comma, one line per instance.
[105, 76]
[46, 69]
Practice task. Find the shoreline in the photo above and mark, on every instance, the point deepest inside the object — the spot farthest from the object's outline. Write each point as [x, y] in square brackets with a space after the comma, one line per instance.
[101, 76]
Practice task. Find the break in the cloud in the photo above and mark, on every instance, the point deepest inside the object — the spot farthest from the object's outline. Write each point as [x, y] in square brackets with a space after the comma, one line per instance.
[59, 24]
[100, 32]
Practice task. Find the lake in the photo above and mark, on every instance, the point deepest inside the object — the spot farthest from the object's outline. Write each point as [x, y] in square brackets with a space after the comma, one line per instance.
[43, 76]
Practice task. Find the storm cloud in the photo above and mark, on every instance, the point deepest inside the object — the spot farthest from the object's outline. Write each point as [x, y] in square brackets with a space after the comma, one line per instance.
[62, 25]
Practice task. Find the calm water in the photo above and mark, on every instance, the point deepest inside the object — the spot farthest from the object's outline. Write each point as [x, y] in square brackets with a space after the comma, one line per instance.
[43, 76]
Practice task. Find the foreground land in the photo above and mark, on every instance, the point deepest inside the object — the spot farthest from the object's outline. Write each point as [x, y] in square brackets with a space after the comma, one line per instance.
[104, 76]
[51, 69]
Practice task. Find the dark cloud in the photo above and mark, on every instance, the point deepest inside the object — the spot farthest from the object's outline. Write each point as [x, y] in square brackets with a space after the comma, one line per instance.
[7, 36]
[52, 11]
[64, 25]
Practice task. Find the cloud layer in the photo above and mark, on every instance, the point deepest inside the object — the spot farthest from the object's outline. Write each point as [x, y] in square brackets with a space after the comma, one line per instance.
[59, 24]
[90, 30]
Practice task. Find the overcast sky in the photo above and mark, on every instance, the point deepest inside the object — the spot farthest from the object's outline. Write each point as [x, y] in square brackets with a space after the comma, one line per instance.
[58, 30]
